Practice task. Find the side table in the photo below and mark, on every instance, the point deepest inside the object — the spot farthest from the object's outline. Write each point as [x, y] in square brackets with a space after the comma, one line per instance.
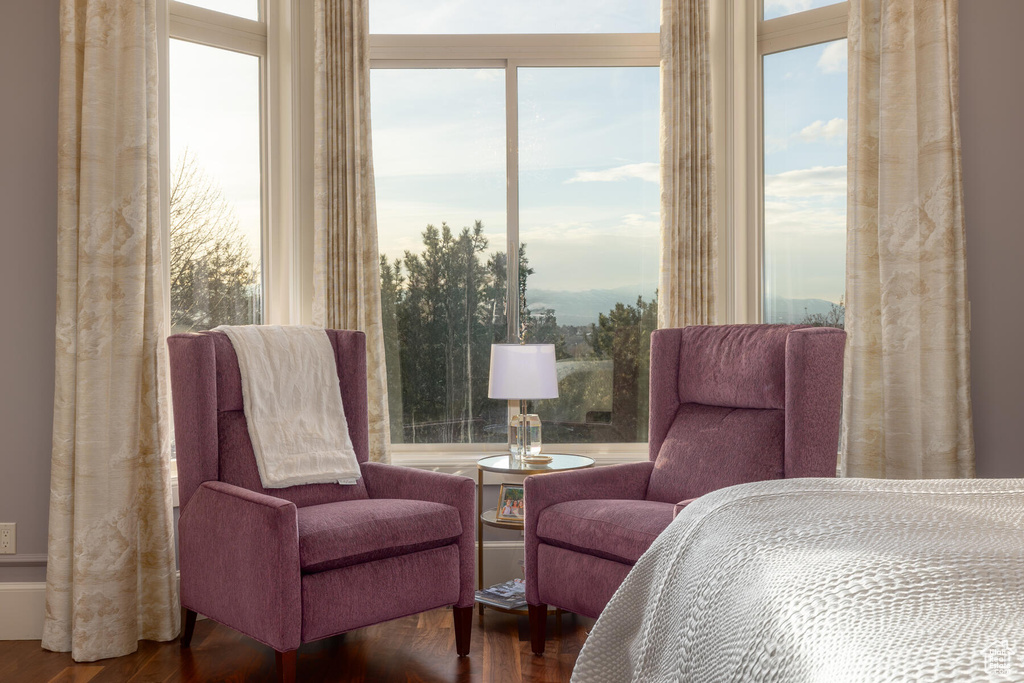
[560, 462]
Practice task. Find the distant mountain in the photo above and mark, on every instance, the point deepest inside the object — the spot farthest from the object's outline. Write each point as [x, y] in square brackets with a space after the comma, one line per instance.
[781, 310]
[582, 308]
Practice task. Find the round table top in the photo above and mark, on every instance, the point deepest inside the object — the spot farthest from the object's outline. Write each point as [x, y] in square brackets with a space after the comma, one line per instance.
[560, 462]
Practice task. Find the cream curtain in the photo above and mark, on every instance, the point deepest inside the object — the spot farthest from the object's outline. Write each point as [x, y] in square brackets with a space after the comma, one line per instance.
[346, 276]
[110, 577]
[907, 403]
[689, 232]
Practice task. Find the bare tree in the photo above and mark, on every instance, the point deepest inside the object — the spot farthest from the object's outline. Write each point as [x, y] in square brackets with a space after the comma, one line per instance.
[214, 278]
[835, 317]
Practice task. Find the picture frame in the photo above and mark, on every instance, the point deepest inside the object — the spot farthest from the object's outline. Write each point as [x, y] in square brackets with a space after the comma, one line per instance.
[511, 503]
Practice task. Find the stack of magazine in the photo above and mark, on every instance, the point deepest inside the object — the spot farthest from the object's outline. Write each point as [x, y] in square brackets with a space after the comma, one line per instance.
[508, 595]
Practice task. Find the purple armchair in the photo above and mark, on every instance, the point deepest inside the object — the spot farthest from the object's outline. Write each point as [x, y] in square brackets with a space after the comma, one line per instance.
[729, 404]
[292, 565]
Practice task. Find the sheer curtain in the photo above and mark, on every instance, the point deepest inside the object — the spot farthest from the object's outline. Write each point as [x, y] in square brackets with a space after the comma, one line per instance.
[110, 578]
[689, 233]
[346, 277]
[907, 402]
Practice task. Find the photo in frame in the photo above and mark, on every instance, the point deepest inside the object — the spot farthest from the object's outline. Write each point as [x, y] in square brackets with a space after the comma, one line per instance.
[511, 503]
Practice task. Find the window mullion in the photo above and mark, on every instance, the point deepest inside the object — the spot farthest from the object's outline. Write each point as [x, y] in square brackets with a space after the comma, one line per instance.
[512, 196]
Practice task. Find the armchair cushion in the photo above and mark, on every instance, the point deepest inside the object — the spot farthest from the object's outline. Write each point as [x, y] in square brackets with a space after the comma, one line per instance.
[336, 535]
[739, 366]
[710, 447]
[618, 530]
[680, 506]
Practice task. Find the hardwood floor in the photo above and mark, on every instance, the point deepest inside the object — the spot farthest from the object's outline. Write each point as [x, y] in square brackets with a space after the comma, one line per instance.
[415, 649]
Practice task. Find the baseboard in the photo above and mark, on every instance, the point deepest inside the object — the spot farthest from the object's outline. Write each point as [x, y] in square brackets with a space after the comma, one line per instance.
[502, 561]
[21, 610]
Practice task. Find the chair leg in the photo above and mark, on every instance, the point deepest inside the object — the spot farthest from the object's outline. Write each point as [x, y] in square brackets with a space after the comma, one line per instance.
[188, 625]
[463, 617]
[538, 627]
[286, 663]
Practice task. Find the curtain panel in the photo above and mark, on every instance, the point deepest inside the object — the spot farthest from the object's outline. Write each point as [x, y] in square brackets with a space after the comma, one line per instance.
[689, 232]
[110, 578]
[346, 276]
[907, 403]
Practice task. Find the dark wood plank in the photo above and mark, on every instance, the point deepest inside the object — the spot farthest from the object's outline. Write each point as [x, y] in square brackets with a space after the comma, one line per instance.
[415, 649]
[77, 674]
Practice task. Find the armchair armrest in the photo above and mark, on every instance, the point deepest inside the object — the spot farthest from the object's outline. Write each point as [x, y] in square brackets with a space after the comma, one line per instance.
[615, 482]
[239, 556]
[407, 483]
[678, 507]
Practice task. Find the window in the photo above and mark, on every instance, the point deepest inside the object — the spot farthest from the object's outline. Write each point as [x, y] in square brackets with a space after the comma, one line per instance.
[216, 198]
[803, 152]
[544, 146]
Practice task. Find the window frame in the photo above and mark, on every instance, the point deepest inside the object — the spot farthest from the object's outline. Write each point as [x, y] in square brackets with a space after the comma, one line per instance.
[509, 52]
[740, 39]
[282, 40]
[277, 39]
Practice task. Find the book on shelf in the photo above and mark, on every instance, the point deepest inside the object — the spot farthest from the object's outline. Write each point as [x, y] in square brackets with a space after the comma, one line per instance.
[509, 595]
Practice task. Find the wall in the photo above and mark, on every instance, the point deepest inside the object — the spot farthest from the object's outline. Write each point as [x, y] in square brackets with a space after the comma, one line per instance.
[29, 57]
[992, 132]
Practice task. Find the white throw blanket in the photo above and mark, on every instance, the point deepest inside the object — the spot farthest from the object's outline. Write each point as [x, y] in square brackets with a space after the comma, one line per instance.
[293, 405]
[825, 580]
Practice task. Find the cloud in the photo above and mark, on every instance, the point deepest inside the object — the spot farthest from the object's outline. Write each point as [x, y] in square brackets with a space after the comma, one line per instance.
[833, 58]
[820, 130]
[774, 143]
[803, 218]
[820, 181]
[647, 171]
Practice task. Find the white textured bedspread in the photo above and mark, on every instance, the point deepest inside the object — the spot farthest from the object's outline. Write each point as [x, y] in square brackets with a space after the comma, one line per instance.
[825, 580]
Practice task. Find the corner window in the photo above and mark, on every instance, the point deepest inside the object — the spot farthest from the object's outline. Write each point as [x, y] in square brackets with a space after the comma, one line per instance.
[544, 147]
[804, 119]
[216, 194]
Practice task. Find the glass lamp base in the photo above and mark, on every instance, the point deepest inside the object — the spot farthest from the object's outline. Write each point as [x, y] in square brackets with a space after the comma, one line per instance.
[524, 437]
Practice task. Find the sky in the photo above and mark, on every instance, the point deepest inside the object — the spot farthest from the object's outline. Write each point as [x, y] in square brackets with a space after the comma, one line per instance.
[778, 8]
[520, 16]
[247, 9]
[805, 173]
[215, 116]
[588, 144]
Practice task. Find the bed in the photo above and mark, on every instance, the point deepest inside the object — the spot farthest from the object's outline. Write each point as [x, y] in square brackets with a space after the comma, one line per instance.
[825, 580]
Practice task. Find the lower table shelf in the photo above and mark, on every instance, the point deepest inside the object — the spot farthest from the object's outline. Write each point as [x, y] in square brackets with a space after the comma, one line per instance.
[520, 611]
[490, 518]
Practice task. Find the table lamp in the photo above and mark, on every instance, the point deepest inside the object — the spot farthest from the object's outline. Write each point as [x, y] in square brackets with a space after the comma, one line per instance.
[523, 372]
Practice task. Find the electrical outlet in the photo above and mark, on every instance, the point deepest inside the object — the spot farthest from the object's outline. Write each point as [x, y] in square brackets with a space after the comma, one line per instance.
[7, 539]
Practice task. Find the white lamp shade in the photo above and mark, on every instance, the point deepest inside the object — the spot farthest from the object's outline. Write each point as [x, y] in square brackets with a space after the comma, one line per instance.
[523, 372]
